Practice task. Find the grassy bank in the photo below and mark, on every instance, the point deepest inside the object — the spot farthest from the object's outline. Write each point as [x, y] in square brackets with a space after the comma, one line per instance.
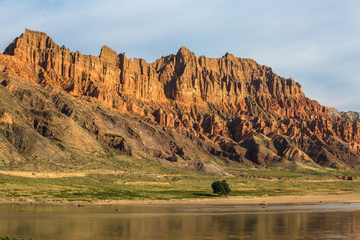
[13, 238]
[151, 180]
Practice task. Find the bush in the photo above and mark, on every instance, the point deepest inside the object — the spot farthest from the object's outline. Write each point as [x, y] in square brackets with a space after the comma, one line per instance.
[221, 187]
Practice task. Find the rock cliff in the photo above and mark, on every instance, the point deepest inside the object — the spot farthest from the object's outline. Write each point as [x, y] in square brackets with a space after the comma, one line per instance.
[181, 109]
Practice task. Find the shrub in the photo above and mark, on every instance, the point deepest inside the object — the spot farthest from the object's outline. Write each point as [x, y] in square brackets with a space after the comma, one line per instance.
[221, 187]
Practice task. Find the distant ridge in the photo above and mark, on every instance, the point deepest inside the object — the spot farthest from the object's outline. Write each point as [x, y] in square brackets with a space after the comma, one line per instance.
[60, 107]
[348, 114]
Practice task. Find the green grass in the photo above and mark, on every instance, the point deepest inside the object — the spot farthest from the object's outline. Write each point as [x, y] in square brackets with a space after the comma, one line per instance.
[100, 187]
[13, 238]
[138, 181]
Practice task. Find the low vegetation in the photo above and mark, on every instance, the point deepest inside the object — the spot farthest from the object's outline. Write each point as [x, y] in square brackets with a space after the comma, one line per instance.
[13, 238]
[221, 188]
[148, 180]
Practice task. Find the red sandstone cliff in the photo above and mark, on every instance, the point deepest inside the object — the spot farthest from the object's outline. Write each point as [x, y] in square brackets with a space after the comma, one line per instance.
[233, 108]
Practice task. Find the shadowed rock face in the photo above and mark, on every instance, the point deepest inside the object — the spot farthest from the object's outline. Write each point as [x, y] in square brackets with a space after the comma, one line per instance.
[182, 110]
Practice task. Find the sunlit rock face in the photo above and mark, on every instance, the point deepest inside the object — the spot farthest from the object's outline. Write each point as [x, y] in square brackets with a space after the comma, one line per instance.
[181, 109]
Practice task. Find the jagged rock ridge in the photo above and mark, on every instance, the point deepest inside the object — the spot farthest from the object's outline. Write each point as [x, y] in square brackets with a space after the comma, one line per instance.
[348, 114]
[182, 109]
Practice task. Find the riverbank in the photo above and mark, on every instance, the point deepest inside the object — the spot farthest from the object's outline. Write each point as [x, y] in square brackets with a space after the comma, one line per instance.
[244, 200]
[236, 200]
[175, 186]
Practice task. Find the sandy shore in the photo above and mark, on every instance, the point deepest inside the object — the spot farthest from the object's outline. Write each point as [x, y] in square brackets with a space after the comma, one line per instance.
[281, 200]
[241, 200]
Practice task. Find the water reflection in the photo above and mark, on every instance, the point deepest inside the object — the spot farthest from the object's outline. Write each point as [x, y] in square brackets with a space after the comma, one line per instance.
[327, 221]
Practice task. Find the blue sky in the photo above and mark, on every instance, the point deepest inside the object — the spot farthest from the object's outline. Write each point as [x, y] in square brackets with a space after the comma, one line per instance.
[317, 43]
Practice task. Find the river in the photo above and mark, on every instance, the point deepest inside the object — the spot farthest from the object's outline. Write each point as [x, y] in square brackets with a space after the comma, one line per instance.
[185, 222]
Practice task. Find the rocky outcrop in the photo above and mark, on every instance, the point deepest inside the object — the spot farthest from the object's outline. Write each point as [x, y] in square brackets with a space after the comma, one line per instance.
[103, 77]
[349, 114]
[178, 108]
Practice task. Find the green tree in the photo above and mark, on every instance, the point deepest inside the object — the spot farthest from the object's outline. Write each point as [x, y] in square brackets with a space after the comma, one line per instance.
[221, 187]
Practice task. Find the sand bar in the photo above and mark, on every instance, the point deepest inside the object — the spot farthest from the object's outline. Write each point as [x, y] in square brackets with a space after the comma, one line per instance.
[238, 200]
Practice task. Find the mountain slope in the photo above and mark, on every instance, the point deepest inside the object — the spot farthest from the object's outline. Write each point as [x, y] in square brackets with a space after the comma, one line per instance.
[181, 110]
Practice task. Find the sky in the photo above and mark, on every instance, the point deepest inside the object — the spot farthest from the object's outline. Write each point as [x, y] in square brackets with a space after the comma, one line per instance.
[317, 43]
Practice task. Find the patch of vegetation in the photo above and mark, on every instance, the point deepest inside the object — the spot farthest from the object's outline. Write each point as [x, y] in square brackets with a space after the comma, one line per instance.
[142, 179]
[221, 188]
[13, 238]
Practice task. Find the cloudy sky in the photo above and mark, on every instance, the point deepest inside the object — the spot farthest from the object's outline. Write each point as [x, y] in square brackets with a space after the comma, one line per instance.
[317, 43]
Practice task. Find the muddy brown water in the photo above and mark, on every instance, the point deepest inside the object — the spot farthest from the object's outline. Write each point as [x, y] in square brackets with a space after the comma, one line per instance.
[320, 221]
